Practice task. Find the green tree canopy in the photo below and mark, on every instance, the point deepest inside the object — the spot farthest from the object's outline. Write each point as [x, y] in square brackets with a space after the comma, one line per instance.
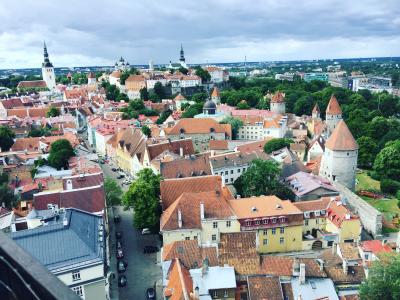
[60, 152]
[236, 124]
[203, 74]
[144, 94]
[6, 193]
[6, 138]
[262, 178]
[143, 196]
[183, 70]
[383, 281]
[276, 144]
[146, 130]
[113, 192]
[387, 162]
[367, 151]
[53, 112]
[126, 74]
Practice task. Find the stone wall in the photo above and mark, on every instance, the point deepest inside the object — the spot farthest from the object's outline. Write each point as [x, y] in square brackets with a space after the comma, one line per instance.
[371, 218]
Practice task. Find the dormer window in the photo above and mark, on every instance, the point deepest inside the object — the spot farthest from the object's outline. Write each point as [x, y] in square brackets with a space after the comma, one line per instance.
[248, 223]
[265, 221]
[274, 220]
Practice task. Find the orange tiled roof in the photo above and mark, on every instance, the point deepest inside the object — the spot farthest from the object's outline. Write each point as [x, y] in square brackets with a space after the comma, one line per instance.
[375, 246]
[199, 126]
[180, 284]
[190, 253]
[239, 250]
[265, 206]
[171, 189]
[337, 212]
[215, 92]
[179, 97]
[187, 167]
[313, 205]
[215, 206]
[265, 287]
[341, 139]
[283, 266]
[333, 107]
[278, 97]
[32, 84]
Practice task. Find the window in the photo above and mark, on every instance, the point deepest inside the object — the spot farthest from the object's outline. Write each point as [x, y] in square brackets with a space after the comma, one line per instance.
[306, 222]
[187, 238]
[195, 237]
[226, 293]
[265, 241]
[226, 180]
[78, 290]
[214, 237]
[282, 230]
[274, 220]
[273, 230]
[281, 240]
[265, 221]
[76, 275]
[226, 172]
[231, 179]
[257, 222]
[228, 223]
[215, 224]
[248, 223]
[215, 294]
[239, 170]
[265, 231]
[231, 171]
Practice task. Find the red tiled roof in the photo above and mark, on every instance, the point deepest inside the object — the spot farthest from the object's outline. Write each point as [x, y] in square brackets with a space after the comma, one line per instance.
[180, 284]
[333, 107]
[337, 212]
[83, 180]
[341, 139]
[187, 167]
[12, 103]
[199, 126]
[171, 189]
[215, 92]
[171, 146]
[375, 247]
[32, 84]
[218, 145]
[278, 97]
[179, 97]
[265, 288]
[89, 199]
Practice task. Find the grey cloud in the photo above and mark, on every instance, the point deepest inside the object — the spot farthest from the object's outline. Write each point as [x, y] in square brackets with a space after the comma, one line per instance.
[101, 31]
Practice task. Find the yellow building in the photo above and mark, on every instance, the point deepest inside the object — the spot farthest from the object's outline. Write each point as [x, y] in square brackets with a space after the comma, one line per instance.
[130, 150]
[198, 216]
[279, 224]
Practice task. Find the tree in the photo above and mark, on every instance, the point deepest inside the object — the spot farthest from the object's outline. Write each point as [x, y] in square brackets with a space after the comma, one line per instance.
[113, 192]
[124, 76]
[367, 151]
[262, 178]
[122, 96]
[53, 112]
[146, 131]
[383, 281]
[236, 124]
[60, 152]
[6, 193]
[387, 162]
[276, 144]
[37, 132]
[193, 110]
[183, 70]
[6, 138]
[243, 105]
[203, 74]
[144, 94]
[143, 196]
[159, 91]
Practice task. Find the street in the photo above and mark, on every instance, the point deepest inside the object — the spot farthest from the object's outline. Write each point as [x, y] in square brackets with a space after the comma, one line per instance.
[143, 270]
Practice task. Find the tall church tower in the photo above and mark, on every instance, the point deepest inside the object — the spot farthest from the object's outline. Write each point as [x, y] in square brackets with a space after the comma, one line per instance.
[316, 113]
[333, 114]
[48, 70]
[339, 161]
[182, 59]
[277, 103]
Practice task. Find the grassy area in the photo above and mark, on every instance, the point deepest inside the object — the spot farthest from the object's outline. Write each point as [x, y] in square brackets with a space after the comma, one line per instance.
[388, 207]
[364, 182]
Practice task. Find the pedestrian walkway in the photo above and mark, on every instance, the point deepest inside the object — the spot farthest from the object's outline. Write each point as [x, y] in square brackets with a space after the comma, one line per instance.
[114, 291]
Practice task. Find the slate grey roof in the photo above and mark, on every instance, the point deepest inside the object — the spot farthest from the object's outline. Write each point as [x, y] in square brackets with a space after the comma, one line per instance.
[62, 247]
[236, 159]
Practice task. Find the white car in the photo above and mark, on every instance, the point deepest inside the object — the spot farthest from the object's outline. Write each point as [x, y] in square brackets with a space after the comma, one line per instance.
[145, 231]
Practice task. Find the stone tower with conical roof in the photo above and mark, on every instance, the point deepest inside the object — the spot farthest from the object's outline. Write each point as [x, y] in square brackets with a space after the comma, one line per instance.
[277, 103]
[333, 114]
[316, 112]
[339, 161]
[215, 96]
[48, 70]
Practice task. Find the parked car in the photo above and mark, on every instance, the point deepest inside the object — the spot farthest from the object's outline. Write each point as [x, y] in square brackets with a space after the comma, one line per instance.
[150, 249]
[114, 169]
[146, 231]
[120, 253]
[119, 245]
[121, 266]
[116, 219]
[150, 294]
[120, 176]
[122, 280]
[118, 235]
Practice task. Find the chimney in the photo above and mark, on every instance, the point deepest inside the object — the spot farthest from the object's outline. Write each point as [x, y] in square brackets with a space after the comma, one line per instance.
[201, 210]
[181, 151]
[345, 267]
[296, 266]
[321, 264]
[383, 242]
[302, 275]
[204, 268]
[65, 221]
[179, 218]
[238, 196]
[334, 248]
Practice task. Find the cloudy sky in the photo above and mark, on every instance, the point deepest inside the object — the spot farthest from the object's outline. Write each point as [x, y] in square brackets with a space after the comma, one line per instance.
[89, 32]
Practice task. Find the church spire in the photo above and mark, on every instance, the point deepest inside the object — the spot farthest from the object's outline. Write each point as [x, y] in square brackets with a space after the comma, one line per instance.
[46, 62]
[182, 56]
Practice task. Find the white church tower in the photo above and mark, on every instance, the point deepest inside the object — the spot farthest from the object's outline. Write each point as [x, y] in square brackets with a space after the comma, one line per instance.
[339, 161]
[333, 114]
[48, 71]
